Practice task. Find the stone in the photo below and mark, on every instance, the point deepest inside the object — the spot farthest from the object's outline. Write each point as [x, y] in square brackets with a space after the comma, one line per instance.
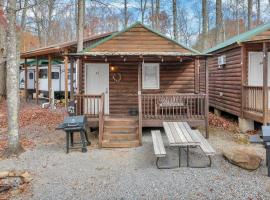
[4, 174]
[244, 157]
[26, 177]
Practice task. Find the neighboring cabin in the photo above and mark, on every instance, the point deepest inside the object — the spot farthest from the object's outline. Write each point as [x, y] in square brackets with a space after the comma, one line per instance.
[236, 83]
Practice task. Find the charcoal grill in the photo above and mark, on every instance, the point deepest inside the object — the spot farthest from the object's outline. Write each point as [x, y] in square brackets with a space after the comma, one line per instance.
[75, 124]
[266, 140]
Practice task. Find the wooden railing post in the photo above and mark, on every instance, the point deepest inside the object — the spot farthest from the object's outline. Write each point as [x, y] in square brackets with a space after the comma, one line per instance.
[206, 101]
[265, 83]
[140, 101]
[25, 79]
[37, 78]
[101, 120]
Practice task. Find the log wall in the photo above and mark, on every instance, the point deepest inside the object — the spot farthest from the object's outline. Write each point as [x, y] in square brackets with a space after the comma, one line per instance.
[225, 85]
[175, 77]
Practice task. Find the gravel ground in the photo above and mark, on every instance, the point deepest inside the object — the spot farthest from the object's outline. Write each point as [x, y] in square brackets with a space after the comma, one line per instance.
[132, 174]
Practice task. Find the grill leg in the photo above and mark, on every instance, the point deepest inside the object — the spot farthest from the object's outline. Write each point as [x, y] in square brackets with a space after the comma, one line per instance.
[179, 156]
[187, 156]
[71, 139]
[84, 149]
[67, 141]
[87, 140]
[268, 160]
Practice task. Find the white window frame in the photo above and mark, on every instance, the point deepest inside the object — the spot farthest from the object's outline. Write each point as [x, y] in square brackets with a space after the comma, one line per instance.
[144, 84]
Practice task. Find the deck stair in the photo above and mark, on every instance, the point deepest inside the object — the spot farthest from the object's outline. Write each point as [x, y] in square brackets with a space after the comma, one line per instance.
[120, 132]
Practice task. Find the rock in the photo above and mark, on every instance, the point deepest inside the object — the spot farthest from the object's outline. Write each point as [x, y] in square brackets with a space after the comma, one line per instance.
[244, 157]
[26, 177]
[4, 174]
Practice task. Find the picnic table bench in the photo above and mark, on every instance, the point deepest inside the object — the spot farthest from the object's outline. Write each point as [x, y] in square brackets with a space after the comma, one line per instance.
[181, 135]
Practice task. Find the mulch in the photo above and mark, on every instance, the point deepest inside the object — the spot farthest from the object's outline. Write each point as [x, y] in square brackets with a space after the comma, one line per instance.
[30, 115]
[223, 123]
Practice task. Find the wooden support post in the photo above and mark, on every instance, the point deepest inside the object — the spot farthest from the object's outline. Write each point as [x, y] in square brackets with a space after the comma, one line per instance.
[79, 76]
[72, 80]
[25, 79]
[37, 76]
[265, 83]
[50, 77]
[196, 75]
[244, 78]
[66, 78]
[206, 101]
[140, 101]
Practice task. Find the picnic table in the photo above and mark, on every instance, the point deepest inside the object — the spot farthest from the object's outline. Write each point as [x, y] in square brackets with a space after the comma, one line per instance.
[181, 135]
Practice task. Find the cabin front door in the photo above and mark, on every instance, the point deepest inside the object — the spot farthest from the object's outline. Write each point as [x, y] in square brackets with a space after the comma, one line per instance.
[97, 82]
[31, 79]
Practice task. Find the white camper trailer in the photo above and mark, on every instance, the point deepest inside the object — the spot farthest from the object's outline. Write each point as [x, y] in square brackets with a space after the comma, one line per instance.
[58, 79]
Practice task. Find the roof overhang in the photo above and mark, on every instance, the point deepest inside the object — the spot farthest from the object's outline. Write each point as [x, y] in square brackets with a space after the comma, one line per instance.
[59, 48]
[134, 54]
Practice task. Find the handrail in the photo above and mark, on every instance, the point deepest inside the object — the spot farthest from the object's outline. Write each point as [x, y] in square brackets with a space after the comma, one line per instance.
[173, 106]
[253, 98]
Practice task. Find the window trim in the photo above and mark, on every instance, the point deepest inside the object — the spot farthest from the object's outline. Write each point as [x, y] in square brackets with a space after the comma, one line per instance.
[145, 87]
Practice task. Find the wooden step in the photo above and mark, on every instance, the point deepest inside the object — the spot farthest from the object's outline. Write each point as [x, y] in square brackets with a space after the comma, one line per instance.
[120, 144]
[121, 129]
[120, 121]
[121, 136]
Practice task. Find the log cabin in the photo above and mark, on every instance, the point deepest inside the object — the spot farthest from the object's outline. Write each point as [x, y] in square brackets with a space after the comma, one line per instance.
[139, 78]
[238, 77]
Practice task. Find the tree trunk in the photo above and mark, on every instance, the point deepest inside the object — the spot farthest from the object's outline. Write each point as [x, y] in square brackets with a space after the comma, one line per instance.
[80, 30]
[204, 22]
[250, 6]
[13, 99]
[258, 8]
[125, 13]
[175, 34]
[152, 14]
[23, 20]
[219, 34]
[2, 55]
[143, 8]
[157, 14]
[80, 25]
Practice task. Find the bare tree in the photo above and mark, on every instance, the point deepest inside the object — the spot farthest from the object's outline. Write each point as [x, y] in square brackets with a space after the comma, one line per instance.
[157, 15]
[153, 14]
[125, 13]
[2, 55]
[13, 99]
[204, 22]
[219, 20]
[175, 32]
[23, 19]
[80, 25]
[250, 6]
[258, 8]
[143, 9]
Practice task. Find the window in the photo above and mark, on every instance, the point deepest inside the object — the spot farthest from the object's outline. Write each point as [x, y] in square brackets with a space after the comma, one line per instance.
[150, 76]
[55, 75]
[43, 73]
[31, 75]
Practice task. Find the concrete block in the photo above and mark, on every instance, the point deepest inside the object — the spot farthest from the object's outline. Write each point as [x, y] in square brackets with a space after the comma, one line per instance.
[217, 112]
[245, 124]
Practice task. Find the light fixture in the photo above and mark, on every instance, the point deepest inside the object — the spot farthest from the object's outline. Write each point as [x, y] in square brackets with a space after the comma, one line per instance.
[114, 69]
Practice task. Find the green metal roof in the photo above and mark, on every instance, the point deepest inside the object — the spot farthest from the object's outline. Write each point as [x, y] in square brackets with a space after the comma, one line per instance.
[41, 62]
[240, 38]
[130, 27]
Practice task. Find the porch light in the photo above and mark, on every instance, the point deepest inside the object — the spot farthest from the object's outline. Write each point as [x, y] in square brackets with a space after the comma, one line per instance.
[114, 69]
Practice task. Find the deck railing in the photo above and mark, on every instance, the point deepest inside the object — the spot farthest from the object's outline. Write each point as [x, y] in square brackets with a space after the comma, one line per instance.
[88, 105]
[173, 106]
[253, 98]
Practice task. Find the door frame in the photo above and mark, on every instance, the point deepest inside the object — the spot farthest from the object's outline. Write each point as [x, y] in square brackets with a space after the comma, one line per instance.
[106, 97]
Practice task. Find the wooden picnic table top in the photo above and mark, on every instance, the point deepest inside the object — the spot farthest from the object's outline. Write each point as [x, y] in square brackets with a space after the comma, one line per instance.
[180, 134]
